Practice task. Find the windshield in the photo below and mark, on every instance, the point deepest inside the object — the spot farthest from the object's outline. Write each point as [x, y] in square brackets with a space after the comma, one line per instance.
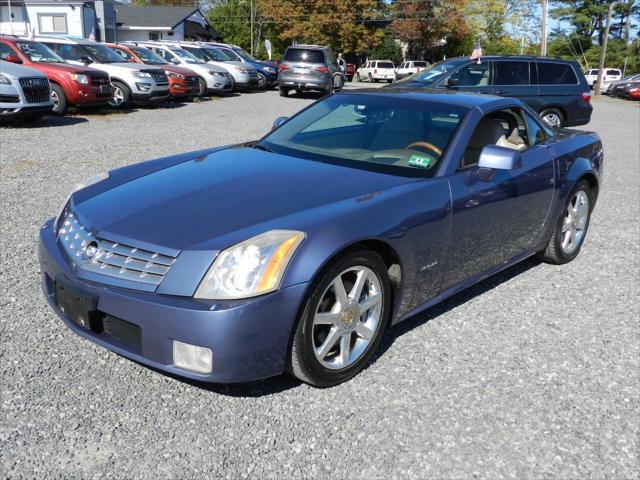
[217, 55]
[199, 53]
[244, 55]
[373, 132]
[435, 72]
[186, 56]
[39, 52]
[148, 57]
[101, 54]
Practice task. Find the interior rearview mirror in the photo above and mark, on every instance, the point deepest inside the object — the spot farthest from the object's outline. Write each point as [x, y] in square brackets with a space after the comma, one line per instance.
[86, 60]
[499, 158]
[278, 121]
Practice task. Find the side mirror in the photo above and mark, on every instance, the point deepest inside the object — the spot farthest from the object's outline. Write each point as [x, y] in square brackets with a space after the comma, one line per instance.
[13, 59]
[86, 60]
[451, 82]
[279, 121]
[175, 61]
[499, 158]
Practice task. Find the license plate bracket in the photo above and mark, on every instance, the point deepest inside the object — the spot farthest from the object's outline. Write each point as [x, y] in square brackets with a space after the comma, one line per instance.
[77, 305]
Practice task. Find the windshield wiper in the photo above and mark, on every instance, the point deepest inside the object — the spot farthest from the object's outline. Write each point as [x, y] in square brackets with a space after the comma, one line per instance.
[264, 148]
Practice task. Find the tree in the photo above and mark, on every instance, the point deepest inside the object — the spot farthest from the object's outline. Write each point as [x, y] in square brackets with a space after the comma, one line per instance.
[388, 49]
[345, 25]
[425, 24]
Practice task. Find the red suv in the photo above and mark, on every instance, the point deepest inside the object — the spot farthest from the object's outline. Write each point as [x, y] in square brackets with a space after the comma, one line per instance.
[70, 84]
[183, 83]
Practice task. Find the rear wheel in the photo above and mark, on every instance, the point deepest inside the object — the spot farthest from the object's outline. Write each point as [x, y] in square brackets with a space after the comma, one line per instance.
[571, 229]
[121, 95]
[553, 116]
[283, 91]
[344, 318]
[59, 99]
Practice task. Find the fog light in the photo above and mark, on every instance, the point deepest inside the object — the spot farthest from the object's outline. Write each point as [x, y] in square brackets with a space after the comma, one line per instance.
[143, 86]
[193, 358]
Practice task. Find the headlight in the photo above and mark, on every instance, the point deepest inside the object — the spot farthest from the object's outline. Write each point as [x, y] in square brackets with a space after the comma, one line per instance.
[80, 78]
[239, 69]
[4, 80]
[142, 75]
[270, 70]
[175, 75]
[250, 268]
[87, 182]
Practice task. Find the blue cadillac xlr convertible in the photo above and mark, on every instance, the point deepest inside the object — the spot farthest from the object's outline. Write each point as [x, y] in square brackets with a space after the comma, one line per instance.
[294, 253]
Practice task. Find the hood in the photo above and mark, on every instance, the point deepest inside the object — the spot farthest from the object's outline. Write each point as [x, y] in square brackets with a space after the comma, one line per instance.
[68, 68]
[236, 64]
[208, 200]
[15, 71]
[175, 69]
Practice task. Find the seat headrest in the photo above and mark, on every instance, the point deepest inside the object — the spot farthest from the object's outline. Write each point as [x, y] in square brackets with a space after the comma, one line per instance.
[488, 132]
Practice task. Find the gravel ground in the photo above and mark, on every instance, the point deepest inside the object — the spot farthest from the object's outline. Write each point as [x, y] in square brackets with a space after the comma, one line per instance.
[531, 374]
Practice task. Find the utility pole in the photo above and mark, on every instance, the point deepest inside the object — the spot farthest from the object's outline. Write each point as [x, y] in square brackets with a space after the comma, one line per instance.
[10, 18]
[253, 15]
[543, 33]
[603, 50]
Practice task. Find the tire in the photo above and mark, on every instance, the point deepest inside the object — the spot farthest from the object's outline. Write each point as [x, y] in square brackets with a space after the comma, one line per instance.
[262, 81]
[337, 85]
[553, 116]
[307, 361]
[389, 81]
[202, 87]
[558, 250]
[283, 91]
[350, 78]
[121, 95]
[59, 99]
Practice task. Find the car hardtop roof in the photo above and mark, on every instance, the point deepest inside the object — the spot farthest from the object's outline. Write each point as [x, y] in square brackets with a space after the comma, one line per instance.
[516, 57]
[145, 43]
[383, 60]
[449, 97]
[67, 40]
[311, 47]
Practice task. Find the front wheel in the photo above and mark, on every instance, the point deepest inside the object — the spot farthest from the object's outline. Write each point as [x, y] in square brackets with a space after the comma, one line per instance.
[262, 81]
[121, 95]
[202, 87]
[59, 99]
[345, 315]
[283, 91]
[571, 229]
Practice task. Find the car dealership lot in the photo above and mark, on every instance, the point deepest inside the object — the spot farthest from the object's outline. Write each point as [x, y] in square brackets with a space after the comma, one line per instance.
[532, 373]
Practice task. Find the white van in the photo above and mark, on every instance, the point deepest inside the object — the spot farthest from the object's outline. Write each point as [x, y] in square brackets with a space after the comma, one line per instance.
[609, 75]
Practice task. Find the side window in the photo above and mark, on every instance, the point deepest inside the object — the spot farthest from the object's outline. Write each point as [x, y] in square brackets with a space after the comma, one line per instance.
[535, 133]
[66, 51]
[511, 73]
[613, 72]
[472, 75]
[550, 73]
[503, 128]
[5, 50]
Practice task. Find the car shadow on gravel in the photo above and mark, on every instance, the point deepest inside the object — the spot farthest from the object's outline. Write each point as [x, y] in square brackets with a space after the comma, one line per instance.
[283, 382]
[46, 122]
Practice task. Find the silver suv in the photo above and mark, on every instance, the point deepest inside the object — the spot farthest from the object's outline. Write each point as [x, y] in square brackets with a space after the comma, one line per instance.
[132, 82]
[24, 92]
[309, 67]
[212, 79]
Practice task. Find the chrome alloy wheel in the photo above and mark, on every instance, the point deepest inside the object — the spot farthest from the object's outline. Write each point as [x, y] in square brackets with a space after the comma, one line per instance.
[574, 222]
[345, 322]
[118, 97]
[553, 119]
[55, 99]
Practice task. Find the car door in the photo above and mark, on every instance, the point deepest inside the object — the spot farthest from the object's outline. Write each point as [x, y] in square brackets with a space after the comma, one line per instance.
[499, 214]
[472, 77]
[512, 78]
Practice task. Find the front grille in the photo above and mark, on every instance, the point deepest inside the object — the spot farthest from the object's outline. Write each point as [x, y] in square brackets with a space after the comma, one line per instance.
[112, 259]
[158, 76]
[99, 80]
[36, 89]
[191, 82]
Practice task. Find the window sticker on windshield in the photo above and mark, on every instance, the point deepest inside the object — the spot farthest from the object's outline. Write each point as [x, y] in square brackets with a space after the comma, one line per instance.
[419, 161]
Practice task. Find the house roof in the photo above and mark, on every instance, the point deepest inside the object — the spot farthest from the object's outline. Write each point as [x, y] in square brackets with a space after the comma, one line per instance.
[153, 16]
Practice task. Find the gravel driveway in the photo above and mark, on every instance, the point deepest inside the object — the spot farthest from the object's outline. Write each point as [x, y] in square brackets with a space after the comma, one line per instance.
[531, 374]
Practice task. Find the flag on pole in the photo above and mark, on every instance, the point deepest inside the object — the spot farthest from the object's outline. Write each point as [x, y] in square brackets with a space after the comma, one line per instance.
[92, 35]
[477, 52]
[32, 35]
[267, 46]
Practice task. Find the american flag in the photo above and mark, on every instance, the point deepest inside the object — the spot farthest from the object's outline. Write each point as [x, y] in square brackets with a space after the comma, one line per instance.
[477, 52]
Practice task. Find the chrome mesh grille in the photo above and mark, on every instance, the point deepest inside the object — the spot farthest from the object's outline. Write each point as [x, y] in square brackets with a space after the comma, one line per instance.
[112, 259]
[36, 89]
[158, 76]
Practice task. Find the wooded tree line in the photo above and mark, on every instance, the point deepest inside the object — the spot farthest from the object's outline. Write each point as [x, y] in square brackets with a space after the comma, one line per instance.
[431, 29]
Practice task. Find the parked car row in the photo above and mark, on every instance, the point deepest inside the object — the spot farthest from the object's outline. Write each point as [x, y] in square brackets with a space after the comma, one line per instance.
[628, 87]
[81, 73]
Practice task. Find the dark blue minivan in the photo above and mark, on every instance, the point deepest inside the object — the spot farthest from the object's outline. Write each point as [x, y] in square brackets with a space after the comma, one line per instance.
[556, 89]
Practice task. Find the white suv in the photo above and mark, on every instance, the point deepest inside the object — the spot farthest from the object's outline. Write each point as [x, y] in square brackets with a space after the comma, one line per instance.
[376, 70]
[409, 67]
[212, 79]
[24, 92]
[132, 82]
[609, 75]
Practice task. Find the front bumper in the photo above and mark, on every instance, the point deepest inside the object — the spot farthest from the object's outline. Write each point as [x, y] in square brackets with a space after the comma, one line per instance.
[91, 95]
[154, 96]
[11, 110]
[249, 338]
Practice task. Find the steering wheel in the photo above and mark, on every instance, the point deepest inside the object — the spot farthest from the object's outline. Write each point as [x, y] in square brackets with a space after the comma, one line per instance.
[426, 145]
